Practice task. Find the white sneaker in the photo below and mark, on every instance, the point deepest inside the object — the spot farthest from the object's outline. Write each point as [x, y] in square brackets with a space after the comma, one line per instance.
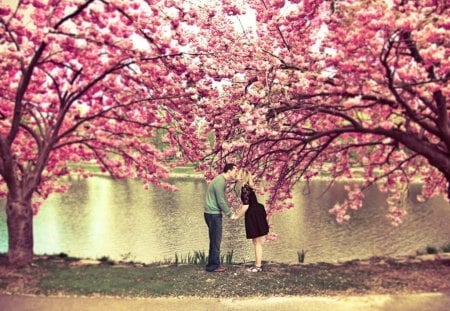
[254, 269]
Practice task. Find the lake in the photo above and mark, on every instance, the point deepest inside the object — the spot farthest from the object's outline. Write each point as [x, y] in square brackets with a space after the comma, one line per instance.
[119, 219]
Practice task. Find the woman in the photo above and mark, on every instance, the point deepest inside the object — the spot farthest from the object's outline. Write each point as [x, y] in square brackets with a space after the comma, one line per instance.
[256, 226]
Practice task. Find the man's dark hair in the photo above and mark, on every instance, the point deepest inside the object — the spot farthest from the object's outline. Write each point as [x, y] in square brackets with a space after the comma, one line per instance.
[228, 167]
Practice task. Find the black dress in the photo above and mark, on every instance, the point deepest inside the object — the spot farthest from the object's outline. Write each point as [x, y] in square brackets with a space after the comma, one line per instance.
[255, 217]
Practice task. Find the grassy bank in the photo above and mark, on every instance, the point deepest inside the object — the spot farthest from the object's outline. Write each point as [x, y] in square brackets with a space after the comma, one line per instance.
[54, 275]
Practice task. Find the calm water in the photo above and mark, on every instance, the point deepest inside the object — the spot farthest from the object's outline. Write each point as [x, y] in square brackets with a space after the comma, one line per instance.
[119, 219]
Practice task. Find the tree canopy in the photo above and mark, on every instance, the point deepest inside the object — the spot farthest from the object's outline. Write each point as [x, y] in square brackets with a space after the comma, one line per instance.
[351, 88]
[95, 81]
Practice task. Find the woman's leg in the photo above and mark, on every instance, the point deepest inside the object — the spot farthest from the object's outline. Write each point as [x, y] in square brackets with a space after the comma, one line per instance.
[257, 243]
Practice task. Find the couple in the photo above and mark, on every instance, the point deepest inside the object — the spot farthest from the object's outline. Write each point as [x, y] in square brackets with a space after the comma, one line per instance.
[256, 225]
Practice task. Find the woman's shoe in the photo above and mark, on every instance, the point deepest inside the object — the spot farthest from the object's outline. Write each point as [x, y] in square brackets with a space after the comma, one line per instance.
[220, 269]
[254, 269]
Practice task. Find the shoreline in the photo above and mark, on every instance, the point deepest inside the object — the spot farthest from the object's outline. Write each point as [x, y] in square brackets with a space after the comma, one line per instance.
[374, 260]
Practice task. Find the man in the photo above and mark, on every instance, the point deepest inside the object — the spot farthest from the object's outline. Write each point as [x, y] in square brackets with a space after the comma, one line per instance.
[216, 203]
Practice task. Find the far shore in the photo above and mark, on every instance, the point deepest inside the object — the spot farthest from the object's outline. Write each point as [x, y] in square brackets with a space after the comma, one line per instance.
[189, 172]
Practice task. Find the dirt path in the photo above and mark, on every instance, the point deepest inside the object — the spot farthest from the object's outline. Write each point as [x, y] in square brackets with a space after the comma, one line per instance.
[406, 302]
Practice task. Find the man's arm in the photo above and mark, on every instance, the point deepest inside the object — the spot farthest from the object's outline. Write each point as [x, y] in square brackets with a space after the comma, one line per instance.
[219, 190]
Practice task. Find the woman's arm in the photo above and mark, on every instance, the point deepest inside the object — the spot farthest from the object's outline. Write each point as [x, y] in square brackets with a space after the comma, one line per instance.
[245, 192]
[240, 212]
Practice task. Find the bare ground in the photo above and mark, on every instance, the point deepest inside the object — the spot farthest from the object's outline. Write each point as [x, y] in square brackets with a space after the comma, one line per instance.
[424, 274]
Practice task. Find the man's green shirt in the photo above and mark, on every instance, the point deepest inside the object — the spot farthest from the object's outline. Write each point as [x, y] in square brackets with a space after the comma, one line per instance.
[216, 200]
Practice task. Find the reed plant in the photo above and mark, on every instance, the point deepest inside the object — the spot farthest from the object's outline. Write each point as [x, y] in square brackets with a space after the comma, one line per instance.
[197, 258]
[431, 250]
[446, 248]
[191, 259]
[106, 260]
[63, 255]
[200, 258]
[301, 256]
[228, 258]
[127, 257]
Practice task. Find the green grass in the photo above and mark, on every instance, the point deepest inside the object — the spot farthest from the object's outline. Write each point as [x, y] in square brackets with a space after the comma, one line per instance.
[184, 170]
[55, 275]
[105, 280]
[188, 280]
[63, 275]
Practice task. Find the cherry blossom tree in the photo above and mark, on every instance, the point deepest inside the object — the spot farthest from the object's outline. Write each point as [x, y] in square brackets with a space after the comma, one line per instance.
[96, 80]
[312, 86]
[342, 87]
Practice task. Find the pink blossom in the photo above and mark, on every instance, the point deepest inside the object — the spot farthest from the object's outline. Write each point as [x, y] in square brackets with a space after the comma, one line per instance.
[5, 10]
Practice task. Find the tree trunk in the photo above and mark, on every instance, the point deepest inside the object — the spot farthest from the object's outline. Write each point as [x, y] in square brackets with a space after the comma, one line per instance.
[20, 231]
[448, 186]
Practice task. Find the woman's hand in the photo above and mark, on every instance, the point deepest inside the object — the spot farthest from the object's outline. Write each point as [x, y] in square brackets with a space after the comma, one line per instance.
[240, 212]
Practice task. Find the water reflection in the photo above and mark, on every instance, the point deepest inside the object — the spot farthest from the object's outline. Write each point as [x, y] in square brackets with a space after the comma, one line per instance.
[119, 219]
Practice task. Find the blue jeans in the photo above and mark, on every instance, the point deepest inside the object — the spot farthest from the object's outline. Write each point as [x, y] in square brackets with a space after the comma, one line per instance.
[214, 222]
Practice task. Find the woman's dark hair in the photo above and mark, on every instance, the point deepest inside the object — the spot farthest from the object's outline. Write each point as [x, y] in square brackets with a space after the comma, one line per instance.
[228, 167]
